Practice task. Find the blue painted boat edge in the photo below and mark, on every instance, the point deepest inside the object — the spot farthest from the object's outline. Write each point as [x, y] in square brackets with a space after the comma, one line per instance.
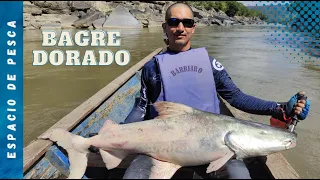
[56, 158]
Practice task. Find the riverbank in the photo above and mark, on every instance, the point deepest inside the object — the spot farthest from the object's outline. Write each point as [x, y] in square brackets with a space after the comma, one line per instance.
[93, 14]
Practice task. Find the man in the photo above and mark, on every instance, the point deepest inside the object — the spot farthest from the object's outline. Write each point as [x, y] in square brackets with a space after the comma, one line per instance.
[190, 76]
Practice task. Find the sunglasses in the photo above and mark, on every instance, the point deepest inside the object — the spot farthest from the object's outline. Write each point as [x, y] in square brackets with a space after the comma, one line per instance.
[175, 22]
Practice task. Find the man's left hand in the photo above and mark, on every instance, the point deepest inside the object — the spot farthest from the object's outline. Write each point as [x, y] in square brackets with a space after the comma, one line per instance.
[298, 107]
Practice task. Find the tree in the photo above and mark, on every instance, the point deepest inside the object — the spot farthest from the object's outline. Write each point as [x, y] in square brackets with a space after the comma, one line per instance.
[231, 8]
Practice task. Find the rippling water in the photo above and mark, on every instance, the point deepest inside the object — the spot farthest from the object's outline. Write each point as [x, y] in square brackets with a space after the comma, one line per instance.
[254, 63]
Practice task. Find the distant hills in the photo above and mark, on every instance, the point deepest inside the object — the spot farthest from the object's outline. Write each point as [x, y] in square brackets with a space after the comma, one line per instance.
[298, 18]
[274, 13]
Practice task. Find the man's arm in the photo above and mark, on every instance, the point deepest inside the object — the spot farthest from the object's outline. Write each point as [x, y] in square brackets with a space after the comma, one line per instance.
[139, 110]
[233, 95]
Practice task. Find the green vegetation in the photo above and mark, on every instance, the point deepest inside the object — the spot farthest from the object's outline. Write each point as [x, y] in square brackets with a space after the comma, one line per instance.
[231, 8]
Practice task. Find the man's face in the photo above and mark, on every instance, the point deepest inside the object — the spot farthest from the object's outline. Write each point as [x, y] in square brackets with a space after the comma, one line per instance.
[179, 35]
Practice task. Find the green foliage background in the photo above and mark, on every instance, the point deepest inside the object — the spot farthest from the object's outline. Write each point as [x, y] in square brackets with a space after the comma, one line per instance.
[231, 8]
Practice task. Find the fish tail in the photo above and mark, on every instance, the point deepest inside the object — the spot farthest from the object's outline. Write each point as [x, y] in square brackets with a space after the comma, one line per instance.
[76, 147]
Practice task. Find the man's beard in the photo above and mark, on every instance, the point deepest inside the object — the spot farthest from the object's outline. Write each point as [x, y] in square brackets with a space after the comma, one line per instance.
[180, 42]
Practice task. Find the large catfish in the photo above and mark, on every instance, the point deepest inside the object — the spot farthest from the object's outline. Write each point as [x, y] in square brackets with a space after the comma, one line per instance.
[180, 136]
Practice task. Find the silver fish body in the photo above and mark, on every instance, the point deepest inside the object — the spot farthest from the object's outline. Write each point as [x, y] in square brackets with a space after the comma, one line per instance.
[180, 136]
[198, 138]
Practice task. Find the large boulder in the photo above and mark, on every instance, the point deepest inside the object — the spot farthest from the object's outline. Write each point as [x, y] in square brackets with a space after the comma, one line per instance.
[138, 14]
[79, 5]
[81, 14]
[102, 6]
[36, 22]
[141, 7]
[53, 5]
[67, 22]
[145, 23]
[98, 24]
[158, 2]
[228, 22]
[219, 17]
[50, 11]
[215, 21]
[205, 21]
[150, 15]
[121, 17]
[200, 13]
[51, 26]
[87, 20]
[32, 9]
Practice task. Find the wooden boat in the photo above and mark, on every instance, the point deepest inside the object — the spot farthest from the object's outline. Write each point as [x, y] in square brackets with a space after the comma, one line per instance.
[44, 160]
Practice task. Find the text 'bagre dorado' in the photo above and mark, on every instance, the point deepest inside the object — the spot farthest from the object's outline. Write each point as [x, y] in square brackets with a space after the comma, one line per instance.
[97, 38]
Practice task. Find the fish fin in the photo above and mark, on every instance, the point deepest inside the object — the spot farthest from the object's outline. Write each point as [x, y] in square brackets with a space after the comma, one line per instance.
[147, 167]
[76, 147]
[167, 109]
[78, 163]
[217, 164]
[112, 159]
[163, 170]
[108, 124]
[231, 141]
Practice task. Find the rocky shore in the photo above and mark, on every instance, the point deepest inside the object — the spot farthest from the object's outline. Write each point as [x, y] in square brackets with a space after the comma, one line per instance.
[93, 14]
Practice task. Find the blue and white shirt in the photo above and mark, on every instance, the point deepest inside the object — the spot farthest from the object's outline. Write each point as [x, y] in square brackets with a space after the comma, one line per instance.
[151, 88]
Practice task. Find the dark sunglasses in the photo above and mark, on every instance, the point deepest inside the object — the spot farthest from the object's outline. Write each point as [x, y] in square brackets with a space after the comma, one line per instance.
[175, 22]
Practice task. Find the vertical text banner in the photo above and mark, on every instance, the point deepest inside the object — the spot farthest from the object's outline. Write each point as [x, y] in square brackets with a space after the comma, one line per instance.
[11, 84]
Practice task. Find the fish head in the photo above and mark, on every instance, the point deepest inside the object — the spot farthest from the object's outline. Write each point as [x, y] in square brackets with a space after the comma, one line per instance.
[261, 141]
[271, 140]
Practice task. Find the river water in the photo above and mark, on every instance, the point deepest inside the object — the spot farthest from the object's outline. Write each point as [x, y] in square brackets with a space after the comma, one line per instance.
[254, 63]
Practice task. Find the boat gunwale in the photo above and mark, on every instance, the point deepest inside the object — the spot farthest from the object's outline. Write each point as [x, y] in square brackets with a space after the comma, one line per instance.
[37, 148]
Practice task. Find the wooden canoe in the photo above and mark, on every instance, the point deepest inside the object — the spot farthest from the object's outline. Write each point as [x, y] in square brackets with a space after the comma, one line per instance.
[44, 160]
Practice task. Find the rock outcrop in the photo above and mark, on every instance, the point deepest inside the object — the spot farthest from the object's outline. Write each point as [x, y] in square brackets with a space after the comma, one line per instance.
[95, 14]
[121, 17]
